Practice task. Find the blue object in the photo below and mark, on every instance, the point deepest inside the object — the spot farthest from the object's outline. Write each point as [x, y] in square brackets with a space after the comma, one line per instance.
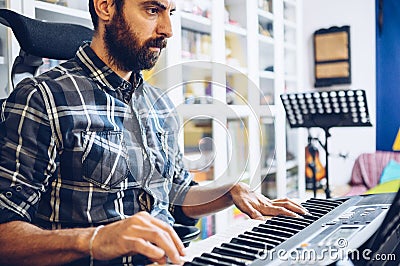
[391, 172]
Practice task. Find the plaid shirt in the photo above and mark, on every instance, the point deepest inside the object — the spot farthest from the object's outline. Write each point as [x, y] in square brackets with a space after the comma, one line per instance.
[80, 146]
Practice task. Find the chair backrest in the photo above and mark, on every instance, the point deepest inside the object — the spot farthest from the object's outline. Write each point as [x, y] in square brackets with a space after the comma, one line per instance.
[41, 39]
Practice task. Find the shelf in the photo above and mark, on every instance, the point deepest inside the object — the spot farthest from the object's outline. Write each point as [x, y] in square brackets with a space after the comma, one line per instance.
[272, 170]
[290, 2]
[290, 24]
[291, 78]
[195, 22]
[267, 75]
[290, 47]
[267, 111]
[236, 70]
[214, 110]
[232, 29]
[265, 16]
[56, 13]
[265, 39]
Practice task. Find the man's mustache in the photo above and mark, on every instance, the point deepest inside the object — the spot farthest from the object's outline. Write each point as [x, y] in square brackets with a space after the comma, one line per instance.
[158, 42]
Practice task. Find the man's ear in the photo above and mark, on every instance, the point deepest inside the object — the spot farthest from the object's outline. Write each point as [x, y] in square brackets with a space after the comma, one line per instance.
[104, 9]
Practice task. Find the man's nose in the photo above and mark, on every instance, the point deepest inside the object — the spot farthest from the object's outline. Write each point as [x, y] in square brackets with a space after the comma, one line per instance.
[164, 26]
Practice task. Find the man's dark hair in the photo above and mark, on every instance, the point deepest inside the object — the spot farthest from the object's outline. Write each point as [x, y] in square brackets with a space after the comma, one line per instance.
[95, 18]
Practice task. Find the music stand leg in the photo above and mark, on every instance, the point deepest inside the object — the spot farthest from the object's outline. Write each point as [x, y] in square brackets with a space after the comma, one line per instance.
[327, 190]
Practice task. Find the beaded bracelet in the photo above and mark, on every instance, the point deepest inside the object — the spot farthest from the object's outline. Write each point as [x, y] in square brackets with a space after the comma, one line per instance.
[91, 242]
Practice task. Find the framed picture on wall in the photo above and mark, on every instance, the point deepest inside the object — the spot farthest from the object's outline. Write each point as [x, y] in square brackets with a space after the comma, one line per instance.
[332, 64]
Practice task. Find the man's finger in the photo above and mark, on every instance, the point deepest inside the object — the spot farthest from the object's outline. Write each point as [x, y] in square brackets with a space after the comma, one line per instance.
[291, 205]
[174, 236]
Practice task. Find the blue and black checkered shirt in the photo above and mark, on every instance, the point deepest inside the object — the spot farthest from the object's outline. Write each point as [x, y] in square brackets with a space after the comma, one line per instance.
[80, 146]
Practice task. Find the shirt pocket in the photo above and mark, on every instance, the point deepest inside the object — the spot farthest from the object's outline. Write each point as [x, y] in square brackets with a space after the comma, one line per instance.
[104, 158]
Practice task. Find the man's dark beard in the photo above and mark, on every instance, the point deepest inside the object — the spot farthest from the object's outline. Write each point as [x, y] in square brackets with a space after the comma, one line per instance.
[123, 49]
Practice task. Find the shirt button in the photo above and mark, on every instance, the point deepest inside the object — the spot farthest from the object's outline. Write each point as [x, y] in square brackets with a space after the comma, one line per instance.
[18, 188]
[8, 194]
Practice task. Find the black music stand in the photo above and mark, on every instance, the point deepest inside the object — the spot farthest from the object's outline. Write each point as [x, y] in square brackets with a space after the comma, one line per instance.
[326, 109]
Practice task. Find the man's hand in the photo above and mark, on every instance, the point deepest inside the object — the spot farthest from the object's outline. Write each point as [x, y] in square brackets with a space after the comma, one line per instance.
[257, 206]
[142, 234]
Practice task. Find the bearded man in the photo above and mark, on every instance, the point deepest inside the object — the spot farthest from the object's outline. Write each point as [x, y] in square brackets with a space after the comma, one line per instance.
[90, 169]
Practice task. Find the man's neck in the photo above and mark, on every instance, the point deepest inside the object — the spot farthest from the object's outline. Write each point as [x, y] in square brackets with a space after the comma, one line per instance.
[100, 50]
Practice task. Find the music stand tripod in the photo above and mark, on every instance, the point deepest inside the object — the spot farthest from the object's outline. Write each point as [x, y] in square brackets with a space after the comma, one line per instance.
[326, 109]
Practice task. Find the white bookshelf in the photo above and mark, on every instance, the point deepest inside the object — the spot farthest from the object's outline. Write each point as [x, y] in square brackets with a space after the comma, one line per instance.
[260, 63]
[261, 57]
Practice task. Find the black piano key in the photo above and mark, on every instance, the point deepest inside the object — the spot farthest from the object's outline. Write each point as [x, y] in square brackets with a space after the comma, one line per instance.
[282, 228]
[315, 212]
[250, 243]
[234, 253]
[259, 239]
[318, 206]
[310, 217]
[211, 261]
[271, 231]
[301, 220]
[192, 263]
[325, 201]
[272, 238]
[252, 250]
[232, 261]
[298, 224]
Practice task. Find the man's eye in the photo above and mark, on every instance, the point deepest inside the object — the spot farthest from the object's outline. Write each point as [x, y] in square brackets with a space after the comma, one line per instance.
[153, 10]
[172, 13]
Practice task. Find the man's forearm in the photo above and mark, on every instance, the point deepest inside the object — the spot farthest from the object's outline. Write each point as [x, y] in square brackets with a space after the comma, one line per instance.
[25, 244]
[201, 200]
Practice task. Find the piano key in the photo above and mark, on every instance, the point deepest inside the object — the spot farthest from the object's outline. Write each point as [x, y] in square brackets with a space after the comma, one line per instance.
[210, 261]
[248, 249]
[310, 217]
[269, 237]
[317, 214]
[234, 261]
[325, 201]
[312, 205]
[301, 220]
[288, 224]
[192, 263]
[234, 253]
[282, 228]
[315, 209]
[317, 205]
[272, 231]
[197, 248]
[259, 239]
[250, 243]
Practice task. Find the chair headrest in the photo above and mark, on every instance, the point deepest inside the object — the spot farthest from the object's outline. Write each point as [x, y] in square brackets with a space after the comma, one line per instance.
[46, 39]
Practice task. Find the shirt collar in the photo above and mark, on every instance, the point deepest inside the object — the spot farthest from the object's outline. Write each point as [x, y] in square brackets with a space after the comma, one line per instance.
[105, 76]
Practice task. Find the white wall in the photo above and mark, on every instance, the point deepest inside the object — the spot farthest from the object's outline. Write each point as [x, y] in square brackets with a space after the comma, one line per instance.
[360, 16]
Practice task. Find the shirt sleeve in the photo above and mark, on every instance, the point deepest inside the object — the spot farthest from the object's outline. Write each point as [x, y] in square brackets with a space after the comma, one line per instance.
[27, 153]
[182, 182]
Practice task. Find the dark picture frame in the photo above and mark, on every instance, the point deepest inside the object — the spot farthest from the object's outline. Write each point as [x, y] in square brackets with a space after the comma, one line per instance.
[332, 60]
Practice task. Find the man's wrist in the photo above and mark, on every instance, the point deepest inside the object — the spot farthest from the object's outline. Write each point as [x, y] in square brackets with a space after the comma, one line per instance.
[83, 241]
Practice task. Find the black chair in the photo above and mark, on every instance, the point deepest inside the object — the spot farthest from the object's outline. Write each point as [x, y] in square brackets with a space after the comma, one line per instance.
[60, 41]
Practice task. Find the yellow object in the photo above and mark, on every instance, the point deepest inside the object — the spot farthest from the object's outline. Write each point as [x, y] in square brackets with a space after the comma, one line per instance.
[388, 187]
[396, 144]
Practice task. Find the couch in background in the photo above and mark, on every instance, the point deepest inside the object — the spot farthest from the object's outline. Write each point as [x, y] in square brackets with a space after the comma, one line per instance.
[377, 172]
